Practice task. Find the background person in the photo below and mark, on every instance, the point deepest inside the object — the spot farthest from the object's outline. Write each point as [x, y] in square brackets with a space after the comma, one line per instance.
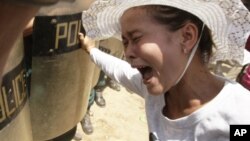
[114, 47]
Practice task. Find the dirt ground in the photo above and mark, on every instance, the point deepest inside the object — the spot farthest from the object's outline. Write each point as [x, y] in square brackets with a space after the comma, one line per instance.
[123, 118]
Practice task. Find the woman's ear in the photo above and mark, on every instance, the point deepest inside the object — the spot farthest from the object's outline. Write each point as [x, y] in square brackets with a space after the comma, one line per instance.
[189, 34]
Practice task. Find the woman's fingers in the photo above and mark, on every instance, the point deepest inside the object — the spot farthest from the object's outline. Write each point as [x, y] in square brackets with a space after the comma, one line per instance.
[89, 42]
[81, 37]
[86, 43]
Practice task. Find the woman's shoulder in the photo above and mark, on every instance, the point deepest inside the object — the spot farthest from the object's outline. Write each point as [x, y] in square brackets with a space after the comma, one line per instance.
[235, 103]
[236, 89]
[235, 97]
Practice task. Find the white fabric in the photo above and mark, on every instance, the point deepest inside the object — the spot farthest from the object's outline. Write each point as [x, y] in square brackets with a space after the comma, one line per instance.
[228, 20]
[209, 123]
[246, 57]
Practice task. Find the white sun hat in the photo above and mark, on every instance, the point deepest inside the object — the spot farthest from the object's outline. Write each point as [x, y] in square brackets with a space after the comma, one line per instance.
[228, 20]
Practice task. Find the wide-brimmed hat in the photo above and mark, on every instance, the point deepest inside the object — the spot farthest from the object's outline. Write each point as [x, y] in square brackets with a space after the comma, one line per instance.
[228, 20]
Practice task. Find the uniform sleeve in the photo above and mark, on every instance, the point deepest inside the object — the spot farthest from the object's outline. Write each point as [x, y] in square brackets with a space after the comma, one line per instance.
[119, 70]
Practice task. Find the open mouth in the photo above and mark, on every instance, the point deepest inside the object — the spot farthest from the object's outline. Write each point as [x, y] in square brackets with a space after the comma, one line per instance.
[146, 72]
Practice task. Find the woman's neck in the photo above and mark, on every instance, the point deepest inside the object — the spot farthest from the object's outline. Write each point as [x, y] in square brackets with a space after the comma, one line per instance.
[191, 93]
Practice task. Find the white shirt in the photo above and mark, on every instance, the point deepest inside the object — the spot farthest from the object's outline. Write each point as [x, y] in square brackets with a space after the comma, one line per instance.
[209, 123]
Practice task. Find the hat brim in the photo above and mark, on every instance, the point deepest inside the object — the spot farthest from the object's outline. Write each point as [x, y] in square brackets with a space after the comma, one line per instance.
[228, 21]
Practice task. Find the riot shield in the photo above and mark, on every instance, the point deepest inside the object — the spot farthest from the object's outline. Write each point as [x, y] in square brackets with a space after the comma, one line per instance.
[14, 108]
[61, 72]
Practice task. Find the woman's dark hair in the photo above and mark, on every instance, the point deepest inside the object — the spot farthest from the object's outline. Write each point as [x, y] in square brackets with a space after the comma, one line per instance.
[175, 19]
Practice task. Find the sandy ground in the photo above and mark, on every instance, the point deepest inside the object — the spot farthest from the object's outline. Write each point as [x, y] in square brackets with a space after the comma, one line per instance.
[123, 118]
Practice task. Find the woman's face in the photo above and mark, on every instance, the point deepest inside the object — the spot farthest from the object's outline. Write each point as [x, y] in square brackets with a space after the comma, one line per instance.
[152, 49]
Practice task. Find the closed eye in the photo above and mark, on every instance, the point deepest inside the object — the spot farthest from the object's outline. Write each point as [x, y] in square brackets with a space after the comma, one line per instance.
[124, 42]
[136, 39]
